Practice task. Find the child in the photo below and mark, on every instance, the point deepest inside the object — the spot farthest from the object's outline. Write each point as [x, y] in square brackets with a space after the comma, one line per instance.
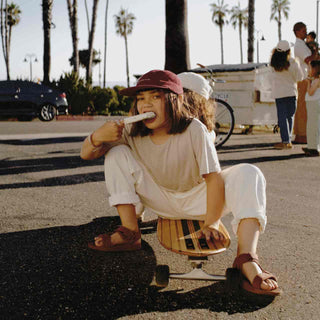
[313, 111]
[196, 99]
[286, 73]
[169, 163]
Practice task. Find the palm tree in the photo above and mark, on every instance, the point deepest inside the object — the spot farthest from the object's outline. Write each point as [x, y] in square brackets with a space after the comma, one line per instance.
[9, 17]
[91, 37]
[219, 18]
[177, 41]
[278, 8]
[47, 22]
[251, 10]
[73, 19]
[124, 26]
[239, 17]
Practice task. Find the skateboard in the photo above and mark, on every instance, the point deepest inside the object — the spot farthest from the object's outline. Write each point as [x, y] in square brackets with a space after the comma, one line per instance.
[180, 236]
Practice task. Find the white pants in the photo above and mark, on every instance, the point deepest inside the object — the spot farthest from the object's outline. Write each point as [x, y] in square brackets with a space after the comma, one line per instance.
[313, 125]
[128, 181]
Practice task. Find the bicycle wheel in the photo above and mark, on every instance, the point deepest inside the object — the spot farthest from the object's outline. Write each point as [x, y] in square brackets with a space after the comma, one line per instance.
[224, 122]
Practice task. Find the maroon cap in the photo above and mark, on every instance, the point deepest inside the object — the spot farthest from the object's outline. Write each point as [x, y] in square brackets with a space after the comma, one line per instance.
[156, 79]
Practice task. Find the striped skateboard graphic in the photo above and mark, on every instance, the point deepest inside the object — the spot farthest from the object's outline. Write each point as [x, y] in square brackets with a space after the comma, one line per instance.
[180, 236]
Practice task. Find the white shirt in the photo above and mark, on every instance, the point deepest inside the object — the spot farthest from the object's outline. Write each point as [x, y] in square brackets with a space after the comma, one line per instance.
[179, 163]
[301, 51]
[284, 83]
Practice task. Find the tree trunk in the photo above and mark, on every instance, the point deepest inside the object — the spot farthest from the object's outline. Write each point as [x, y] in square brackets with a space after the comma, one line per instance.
[251, 10]
[5, 37]
[105, 44]
[279, 26]
[91, 37]
[240, 37]
[221, 43]
[73, 20]
[46, 18]
[127, 59]
[177, 41]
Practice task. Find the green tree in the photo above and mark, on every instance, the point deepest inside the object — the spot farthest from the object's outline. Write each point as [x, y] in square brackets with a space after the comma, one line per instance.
[219, 12]
[124, 26]
[47, 23]
[251, 10]
[9, 17]
[177, 41]
[279, 8]
[239, 18]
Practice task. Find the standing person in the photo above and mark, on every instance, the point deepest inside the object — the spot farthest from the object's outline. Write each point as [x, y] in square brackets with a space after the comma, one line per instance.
[304, 55]
[313, 110]
[170, 165]
[286, 73]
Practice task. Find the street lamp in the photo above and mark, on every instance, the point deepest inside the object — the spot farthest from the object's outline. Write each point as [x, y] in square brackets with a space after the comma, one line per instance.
[317, 21]
[259, 32]
[32, 58]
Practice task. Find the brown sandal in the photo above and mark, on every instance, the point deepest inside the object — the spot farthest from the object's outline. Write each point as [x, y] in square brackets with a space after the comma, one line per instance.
[255, 287]
[132, 238]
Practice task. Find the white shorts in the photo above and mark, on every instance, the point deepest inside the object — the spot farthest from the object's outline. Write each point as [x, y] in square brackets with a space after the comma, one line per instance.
[128, 181]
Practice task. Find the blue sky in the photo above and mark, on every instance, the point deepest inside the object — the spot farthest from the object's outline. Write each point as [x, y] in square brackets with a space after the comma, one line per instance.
[147, 42]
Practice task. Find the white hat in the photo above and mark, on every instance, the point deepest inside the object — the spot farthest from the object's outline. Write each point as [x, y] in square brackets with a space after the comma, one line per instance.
[283, 46]
[195, 82]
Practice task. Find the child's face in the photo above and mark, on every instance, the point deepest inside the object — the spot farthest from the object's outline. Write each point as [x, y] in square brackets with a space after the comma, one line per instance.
[153, 100]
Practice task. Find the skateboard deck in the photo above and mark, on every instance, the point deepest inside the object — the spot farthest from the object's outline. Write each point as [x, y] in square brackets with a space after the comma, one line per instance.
[180, 236]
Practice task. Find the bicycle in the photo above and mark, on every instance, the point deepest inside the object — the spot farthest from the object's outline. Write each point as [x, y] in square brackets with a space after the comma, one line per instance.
[224, 116]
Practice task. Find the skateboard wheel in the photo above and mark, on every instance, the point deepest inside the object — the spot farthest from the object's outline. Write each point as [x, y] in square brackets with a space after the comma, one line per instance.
[162, 276]
[233, 282]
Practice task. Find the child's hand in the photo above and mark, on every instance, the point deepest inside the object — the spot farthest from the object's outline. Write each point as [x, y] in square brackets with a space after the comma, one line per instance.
[111, 131]
[211, 233]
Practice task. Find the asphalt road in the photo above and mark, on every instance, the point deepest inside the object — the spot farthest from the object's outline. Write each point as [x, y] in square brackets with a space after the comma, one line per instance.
[52, 203]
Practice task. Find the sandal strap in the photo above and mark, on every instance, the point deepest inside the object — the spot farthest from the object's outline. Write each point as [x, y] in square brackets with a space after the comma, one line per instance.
[259, 278]
[243, 258]
[128, 235]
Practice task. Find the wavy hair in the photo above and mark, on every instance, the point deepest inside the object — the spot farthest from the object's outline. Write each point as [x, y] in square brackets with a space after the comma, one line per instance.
[200, 108]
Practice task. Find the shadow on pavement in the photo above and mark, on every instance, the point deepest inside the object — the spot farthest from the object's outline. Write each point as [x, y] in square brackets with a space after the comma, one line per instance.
[42, 141]
[51, 274]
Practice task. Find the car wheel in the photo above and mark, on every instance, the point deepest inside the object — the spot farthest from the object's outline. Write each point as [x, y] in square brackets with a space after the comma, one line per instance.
[47, 112]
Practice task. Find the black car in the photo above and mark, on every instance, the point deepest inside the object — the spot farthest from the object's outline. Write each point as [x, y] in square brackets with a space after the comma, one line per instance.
[26, 100]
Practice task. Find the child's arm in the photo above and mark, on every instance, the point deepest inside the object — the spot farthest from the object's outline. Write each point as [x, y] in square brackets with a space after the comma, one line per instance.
[312, 87]
[215, 204]
[101, 140]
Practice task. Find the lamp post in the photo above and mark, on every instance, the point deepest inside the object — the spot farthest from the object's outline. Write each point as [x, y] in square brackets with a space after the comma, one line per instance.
[317, 21]
[32, 58]
[261, 39]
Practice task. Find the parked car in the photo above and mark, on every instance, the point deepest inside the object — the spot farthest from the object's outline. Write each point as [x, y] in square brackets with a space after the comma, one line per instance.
[27, 100]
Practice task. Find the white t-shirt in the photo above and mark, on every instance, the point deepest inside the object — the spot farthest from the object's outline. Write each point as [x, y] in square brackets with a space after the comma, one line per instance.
[301, 51]
[179, 163]
[314, 97]
[284, 83]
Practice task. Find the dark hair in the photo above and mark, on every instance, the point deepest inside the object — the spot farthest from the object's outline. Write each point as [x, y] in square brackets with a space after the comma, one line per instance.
[178, 116]
[315, 64]
[298, 26]
[312, 34]
[199, 107]
[280, 60]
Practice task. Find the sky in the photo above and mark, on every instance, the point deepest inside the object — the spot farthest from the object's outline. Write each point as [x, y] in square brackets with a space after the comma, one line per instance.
[146, 44]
